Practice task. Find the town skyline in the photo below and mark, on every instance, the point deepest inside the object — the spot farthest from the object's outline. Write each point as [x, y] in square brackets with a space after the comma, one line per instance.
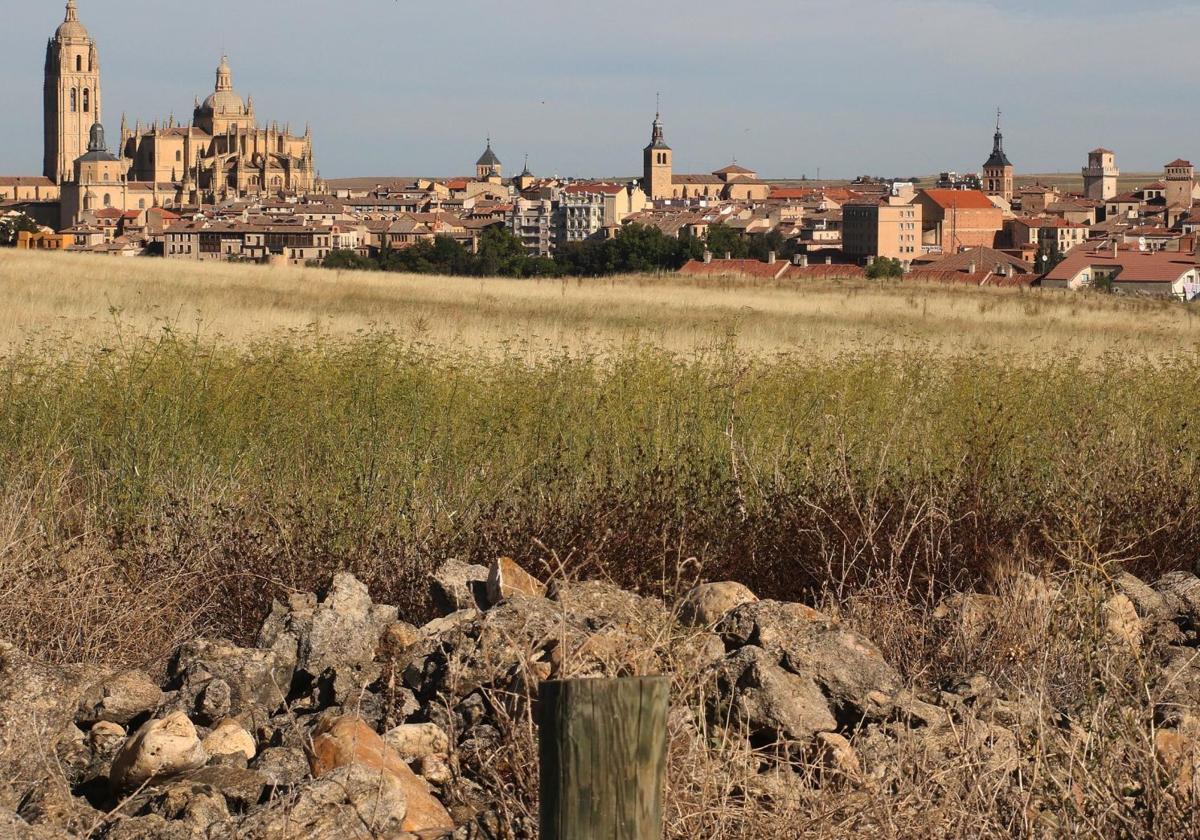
[592, 124]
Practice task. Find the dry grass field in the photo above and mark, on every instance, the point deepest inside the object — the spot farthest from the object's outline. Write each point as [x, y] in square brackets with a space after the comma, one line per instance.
[86, 299]
[180, 444]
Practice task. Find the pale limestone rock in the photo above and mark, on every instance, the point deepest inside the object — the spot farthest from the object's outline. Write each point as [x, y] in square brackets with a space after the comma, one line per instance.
[708, 603]
[161, 748]
[229, 738]
[412, 741]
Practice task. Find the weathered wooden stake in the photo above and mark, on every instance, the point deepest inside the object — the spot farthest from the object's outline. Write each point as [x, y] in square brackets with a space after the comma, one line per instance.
[603, 749]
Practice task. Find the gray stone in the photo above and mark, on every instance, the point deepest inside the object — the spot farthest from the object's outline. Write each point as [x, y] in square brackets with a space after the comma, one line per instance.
[282, 766]
[37, 709]
[771, 704]
[50, 803]
[355, 802]
[119, 698]
[458, 586]
[1150, 605]
[253, 680]
[1181, 591]
[848, 668]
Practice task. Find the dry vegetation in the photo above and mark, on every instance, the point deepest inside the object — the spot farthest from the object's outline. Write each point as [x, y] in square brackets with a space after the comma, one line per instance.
[180, 443]
[81, 298]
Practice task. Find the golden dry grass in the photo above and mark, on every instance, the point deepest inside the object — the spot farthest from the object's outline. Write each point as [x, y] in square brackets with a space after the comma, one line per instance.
[83, 297]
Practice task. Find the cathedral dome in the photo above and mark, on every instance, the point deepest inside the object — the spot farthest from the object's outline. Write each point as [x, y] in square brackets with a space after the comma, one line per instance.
[224, 100]
[71, 28]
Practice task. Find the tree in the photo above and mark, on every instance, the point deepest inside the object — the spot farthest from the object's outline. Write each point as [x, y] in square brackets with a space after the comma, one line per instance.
[724, 240]
[349, 260]
[10, 226]
[884, 267]
[1048, 257]
[501, 254]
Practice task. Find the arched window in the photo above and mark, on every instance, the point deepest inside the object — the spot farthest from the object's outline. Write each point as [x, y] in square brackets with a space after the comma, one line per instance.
[107, 200]
[78, 64]
[87, 101]
[74, 100]
[178, 155]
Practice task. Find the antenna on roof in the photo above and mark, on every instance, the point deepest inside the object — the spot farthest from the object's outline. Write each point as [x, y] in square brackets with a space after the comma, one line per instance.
[657, 104]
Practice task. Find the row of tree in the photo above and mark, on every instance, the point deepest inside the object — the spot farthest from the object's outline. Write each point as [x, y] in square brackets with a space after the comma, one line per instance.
[10, 226]
[635, 248]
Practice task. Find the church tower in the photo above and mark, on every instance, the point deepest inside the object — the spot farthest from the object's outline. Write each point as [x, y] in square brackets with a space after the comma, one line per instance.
[71, 96]
[657, 165]
[998, 171]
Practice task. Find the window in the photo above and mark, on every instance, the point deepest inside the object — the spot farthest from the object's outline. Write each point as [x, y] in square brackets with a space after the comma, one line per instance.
[141, 204]
[107, 200]
[74, 100]
[78, 64]
[178, 155]
[86, 101]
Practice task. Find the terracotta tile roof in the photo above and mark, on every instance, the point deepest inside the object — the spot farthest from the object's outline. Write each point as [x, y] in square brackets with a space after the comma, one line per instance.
[734, 169]
[960, 199]
[927, 275]
[1134, 266]
[696, 179]
[1101, 151]
[1178, 163]
[731, 268]
[981, 258]
[821, 271]
[25, 181]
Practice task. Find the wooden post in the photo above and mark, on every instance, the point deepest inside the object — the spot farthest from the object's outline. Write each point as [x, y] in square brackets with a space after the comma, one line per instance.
[603, 749]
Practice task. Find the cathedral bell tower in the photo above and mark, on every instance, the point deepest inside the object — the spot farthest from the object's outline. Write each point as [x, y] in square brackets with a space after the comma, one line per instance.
[657, 164]
[71, 96]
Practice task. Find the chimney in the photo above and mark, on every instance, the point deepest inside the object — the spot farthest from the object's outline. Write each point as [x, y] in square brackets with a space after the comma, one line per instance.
[804, 260]
[829, 261]
[971, 268]
[728, 255]
[707, 257]
[771, 258]
[1116, 247]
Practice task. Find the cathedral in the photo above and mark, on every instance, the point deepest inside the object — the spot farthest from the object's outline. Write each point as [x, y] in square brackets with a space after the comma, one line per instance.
[223, 153]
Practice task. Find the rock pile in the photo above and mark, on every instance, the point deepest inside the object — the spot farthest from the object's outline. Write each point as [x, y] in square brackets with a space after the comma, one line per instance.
[345, 721]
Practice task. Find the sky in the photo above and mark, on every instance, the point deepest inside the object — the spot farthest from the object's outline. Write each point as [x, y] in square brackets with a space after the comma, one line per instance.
[790, 88]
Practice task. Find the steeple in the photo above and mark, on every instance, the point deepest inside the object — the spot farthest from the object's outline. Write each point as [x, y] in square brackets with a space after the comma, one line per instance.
[72, 12]
[998, 158]
[657, 138]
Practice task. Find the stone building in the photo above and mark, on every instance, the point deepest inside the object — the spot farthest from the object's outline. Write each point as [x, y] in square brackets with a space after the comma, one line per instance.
[998, 170]
[657, 164]
[71, 96]
[223, 153]
[1180, 180]
[488, 168]
[1100, 175]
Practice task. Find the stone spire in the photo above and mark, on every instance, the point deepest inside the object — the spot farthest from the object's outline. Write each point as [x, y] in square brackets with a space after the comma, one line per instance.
[72, 12]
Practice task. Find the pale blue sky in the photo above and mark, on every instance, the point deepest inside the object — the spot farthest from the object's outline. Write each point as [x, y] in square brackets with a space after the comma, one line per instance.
[788, 86]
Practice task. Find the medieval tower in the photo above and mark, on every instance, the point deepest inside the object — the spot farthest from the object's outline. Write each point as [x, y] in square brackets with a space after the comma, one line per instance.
[71, 96]
[998, 171]
[657, 165]
[1100, 175]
